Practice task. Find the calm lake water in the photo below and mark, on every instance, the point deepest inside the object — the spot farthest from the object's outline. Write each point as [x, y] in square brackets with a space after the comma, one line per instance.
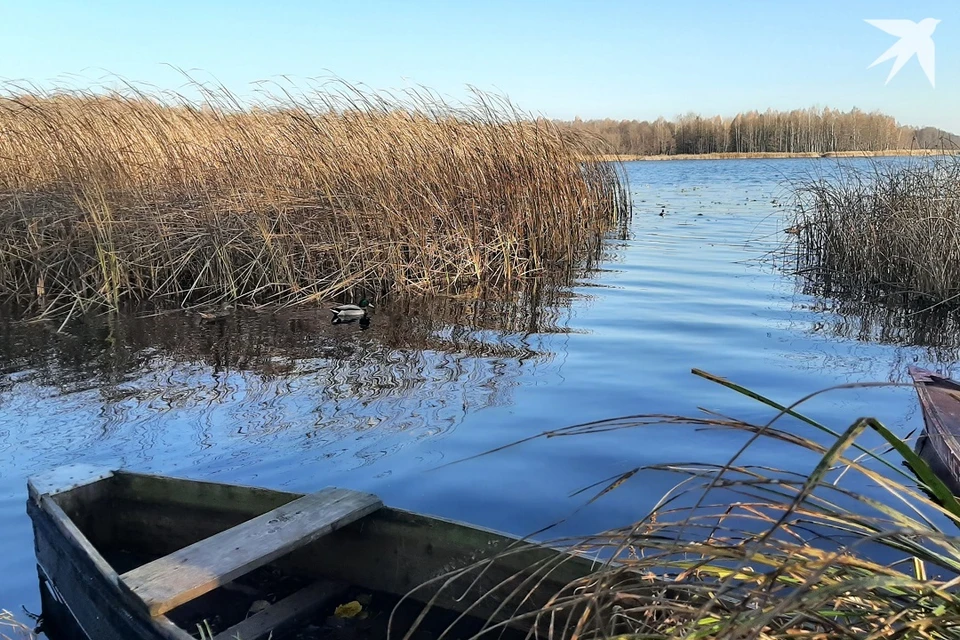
[289, 401]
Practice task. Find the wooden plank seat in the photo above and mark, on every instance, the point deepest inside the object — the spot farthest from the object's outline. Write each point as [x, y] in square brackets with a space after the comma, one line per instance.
[285, 613]
[196, 569]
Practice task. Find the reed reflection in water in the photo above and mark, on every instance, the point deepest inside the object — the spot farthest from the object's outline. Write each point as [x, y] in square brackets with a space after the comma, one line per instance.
[165, 379]
[934, 328]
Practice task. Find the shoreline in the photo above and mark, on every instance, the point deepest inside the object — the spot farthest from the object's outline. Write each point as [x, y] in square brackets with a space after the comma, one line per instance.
[776, 154]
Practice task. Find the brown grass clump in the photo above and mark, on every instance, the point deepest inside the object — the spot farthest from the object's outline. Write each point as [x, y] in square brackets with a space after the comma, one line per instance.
[857, 541]
[891, 235]
[123, 196]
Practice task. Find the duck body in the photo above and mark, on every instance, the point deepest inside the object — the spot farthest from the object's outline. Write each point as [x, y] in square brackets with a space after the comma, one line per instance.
[215, 315]
[348, 312]
[212, 314]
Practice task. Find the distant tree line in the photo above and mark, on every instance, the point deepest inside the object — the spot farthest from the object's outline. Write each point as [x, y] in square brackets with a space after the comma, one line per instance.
[801, 130]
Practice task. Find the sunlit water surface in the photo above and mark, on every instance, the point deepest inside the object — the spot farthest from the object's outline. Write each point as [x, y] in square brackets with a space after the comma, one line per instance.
[289, 401]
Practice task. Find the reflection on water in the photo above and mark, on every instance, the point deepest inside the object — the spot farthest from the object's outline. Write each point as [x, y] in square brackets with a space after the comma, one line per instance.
[363, 322]
[934, 328]
[416, 365]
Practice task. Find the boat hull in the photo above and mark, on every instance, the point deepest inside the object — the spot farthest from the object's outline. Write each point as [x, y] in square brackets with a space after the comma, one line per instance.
[939, 444]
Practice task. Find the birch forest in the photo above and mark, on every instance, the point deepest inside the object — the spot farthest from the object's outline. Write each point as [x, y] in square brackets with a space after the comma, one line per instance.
[811, 130]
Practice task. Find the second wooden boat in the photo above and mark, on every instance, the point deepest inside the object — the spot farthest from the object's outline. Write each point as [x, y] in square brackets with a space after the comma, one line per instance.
[939, 444]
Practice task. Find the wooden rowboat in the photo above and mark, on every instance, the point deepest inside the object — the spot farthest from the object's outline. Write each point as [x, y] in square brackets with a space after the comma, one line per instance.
[939, 444]
[125, 555]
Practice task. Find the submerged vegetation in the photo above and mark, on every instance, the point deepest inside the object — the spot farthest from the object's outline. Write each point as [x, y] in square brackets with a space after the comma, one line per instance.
[112, 197]
[890, 236]
[863, 544]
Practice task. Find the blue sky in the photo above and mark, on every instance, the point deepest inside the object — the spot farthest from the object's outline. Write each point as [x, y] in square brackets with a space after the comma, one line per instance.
[566, 58]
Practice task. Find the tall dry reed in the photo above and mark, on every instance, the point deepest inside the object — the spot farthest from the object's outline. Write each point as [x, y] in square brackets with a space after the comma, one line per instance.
[113, 196]
[888, 235]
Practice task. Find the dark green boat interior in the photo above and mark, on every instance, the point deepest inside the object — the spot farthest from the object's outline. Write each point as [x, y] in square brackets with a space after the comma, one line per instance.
[132, 519]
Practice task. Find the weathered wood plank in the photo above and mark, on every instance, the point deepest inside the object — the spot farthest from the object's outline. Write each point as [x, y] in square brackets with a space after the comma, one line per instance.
[286, 613]
[64, 479]
[74, 537]
[156, 530]
[198, 494]
[199, 568]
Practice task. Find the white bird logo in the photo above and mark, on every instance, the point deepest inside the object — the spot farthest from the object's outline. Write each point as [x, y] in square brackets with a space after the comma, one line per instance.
[915, 38]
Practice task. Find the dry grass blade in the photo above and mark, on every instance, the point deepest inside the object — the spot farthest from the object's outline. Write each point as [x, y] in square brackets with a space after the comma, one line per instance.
[13, 629]
[738, 550]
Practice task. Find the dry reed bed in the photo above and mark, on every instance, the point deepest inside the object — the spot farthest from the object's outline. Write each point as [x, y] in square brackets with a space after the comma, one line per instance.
[888, 235]
[114, 197]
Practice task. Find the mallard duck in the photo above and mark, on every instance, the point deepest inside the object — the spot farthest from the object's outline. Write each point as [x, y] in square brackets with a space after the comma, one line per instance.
[351, 311]
[213, 314]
